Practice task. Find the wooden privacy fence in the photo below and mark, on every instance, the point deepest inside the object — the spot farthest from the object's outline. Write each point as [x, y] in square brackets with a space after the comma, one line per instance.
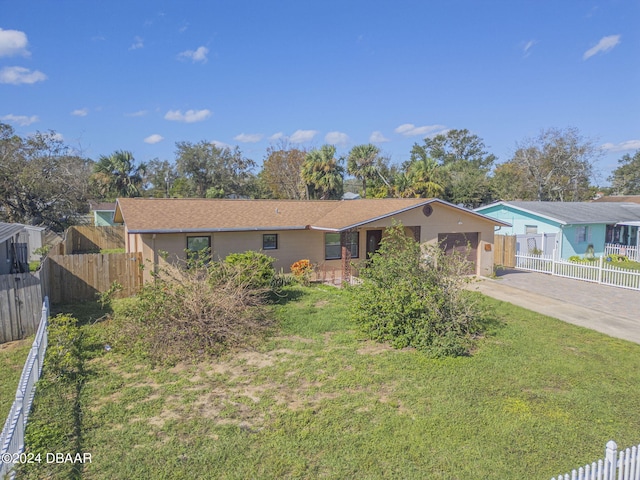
[90, 239]
[20, 305]
[504, 250]
[78, 278]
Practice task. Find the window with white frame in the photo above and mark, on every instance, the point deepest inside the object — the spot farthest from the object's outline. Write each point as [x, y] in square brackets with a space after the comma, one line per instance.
[531, 229]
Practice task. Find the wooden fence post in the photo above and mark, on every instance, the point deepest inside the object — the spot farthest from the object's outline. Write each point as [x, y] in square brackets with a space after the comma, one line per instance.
[600, 267]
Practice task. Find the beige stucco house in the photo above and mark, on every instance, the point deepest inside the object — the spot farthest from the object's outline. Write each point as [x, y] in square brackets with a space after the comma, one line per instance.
[333, 235]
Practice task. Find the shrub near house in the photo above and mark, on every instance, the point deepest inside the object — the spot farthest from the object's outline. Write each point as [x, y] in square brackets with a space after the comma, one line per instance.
[414, 298]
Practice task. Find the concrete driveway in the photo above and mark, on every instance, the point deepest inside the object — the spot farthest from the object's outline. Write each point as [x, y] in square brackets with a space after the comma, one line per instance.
[610, 310]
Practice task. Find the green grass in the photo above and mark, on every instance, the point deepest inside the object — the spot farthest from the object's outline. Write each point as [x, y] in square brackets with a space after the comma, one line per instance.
[13, 355]
[538, 397]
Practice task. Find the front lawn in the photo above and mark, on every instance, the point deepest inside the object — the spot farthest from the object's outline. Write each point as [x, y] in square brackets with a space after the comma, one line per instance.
[538, 397]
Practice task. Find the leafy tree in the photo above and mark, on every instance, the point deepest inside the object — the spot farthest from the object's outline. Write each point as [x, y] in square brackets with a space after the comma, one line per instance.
[363, 163]
[213, 171]
[116, 175]
[281, 172]
[413, 297]
[509, 183]
[457, 146]
[465, 165]
[160, 177]
[625, 180]
[42, 181]
[557, 165]
[323, 172]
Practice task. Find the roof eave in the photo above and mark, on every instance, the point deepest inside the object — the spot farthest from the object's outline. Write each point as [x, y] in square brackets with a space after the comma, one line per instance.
[214, 230]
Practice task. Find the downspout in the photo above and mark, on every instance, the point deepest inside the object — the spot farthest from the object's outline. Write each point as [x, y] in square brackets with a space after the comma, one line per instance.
[155, 254]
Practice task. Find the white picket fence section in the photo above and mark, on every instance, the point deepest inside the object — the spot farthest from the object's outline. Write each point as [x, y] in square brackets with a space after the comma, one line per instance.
[597, 271]
[12, 437]
[632, 253]
[621, 466]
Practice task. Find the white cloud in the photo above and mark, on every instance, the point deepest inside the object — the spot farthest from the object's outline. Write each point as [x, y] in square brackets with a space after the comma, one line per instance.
[248, 137]
[377, 137]
[337, 138]
[155, 138]
[622, 146]
[80, 112]
[21, 120]
[410, 130]
[18, 75]
[276, 136]
[190, 116]
[198, 55]
[220, 144]
[139, 113]
[604, 45]
[301, 136]
[526, 49]
[13, 42]
[137, 43]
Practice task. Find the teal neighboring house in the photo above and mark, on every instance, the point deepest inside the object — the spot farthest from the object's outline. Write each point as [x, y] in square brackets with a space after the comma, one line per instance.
[102, 213]
[607, 227]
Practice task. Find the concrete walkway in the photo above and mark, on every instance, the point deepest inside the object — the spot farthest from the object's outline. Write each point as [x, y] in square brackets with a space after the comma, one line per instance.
[610, 310]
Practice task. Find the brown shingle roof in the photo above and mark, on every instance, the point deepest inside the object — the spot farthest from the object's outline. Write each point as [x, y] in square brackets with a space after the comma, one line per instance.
[146, 215]
[619, 198]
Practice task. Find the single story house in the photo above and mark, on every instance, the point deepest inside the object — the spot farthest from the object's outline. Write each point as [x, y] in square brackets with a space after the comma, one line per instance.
[331, 234]
[570, 227]
[13, 248]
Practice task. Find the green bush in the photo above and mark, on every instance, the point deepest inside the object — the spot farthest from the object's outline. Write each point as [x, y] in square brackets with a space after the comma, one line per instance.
[415, 298]
[256, 269]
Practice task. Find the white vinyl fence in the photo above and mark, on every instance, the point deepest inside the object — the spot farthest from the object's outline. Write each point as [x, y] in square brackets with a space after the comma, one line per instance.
[597, 271]
[621, 466]
[632, 253]
[12, 437]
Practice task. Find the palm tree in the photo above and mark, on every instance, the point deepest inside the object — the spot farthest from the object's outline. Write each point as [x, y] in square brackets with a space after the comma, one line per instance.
[117, 176]
[424, 177]
[322, 171]
[361, 163]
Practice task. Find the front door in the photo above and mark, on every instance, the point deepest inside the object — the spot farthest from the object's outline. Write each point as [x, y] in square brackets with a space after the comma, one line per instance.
[374, 237]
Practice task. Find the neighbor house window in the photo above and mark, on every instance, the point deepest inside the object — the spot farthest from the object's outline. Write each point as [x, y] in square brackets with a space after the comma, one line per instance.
[270, 241]
[531, 229]
[583, 234]
[332, 247]
[199, 247]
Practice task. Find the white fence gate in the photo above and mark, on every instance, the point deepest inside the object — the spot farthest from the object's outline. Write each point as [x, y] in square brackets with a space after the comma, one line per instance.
[596, 271]
[622, 466]
[12, 437]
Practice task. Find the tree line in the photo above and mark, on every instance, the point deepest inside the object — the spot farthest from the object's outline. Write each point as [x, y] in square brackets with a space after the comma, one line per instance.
[45, 182]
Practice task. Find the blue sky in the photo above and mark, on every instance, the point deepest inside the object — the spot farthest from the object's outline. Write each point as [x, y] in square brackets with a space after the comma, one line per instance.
[143, 75]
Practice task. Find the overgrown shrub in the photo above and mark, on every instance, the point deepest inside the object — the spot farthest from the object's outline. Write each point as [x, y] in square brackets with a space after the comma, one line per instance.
[254, 268]
[413, 297]
[188, 313]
